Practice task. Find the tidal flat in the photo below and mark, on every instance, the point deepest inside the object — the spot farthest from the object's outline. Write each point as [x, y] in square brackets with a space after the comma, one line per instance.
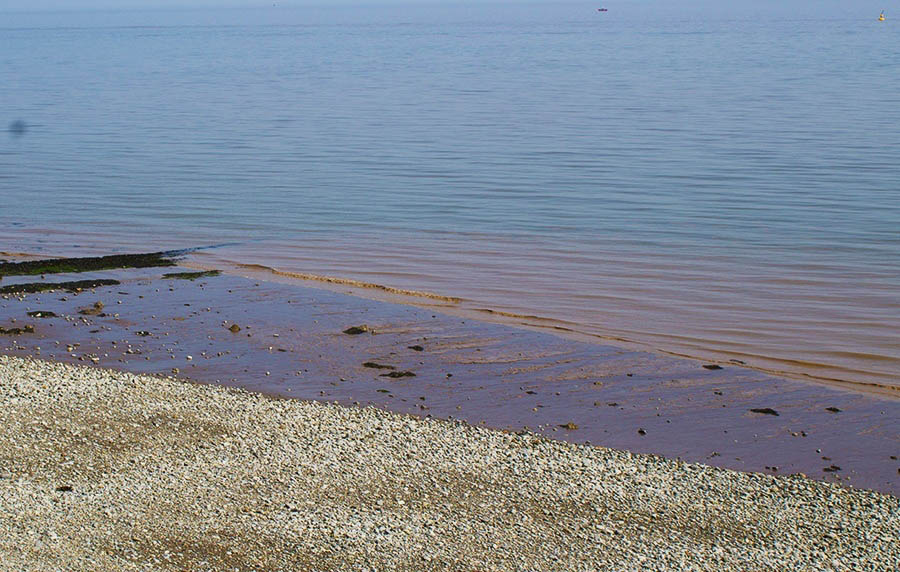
[287, 340]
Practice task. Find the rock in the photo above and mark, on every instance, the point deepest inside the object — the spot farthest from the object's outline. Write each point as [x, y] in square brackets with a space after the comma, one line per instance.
[142, 333]
[234, 328]
[397, 374]
[416, 348]
[76, 286]
[833, 409]
[832, 469]
[191, 275]
[94, 310]
[64, 488]
[17, 331]
[570, 426]
[641, 432]
[373, 365]
[765, 411]
[356, 330]
[711, 366]
[42, 314]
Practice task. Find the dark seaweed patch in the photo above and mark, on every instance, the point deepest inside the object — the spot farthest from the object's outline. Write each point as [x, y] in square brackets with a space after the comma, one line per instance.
[33, 287]
[398, 374]
[192, 275]
[89, 264]
[765, 411]
[17, 331]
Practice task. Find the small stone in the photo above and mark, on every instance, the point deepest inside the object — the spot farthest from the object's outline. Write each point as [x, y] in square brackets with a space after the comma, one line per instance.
[833, 409]
[711, 366]
[356, 330]
[641, 432]
[42, 314]
[765, 411]
[234, 328]
[94, 310]
[398, 374]
[570, 426]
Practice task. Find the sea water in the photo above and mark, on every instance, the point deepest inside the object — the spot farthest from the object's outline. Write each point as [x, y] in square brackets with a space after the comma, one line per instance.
[720, 181]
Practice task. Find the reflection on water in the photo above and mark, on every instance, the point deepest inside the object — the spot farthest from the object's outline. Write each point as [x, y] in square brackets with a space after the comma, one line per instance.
[707, 184]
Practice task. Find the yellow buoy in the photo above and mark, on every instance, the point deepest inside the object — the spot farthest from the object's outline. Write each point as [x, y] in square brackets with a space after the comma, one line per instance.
[881, 17]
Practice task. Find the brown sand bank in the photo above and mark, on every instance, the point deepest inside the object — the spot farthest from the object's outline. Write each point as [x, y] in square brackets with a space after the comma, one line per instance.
[290, 343]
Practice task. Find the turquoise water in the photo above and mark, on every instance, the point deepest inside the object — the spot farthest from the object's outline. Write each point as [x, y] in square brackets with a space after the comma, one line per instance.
[720, 183]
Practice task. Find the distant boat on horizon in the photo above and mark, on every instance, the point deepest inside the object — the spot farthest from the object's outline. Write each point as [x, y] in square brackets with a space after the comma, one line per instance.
[602, 10]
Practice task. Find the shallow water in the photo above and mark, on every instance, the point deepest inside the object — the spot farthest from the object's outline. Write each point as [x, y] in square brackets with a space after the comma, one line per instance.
[722, 183]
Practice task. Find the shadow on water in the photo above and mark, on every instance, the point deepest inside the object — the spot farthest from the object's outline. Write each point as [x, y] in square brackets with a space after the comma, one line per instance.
[18, 128]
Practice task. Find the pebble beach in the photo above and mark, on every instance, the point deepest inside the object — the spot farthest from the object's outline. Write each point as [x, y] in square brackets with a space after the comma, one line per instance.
[103, 470]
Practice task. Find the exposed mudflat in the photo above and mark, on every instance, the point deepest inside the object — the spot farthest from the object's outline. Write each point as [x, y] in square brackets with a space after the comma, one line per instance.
[288, 340]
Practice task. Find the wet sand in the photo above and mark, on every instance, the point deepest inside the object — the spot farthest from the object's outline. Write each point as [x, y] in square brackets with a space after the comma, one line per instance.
[291, 344]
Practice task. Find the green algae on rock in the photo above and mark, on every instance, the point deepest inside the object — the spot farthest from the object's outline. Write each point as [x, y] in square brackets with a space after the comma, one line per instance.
[34, 287]
[374, 365]
[192, 275]
[87, 264]
[356, 330]
[398, 374]
[17, 331]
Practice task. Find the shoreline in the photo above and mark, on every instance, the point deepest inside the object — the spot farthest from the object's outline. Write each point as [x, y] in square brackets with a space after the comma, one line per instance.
[465, 308]
[106, 470]
[672, 343]
[290, 345]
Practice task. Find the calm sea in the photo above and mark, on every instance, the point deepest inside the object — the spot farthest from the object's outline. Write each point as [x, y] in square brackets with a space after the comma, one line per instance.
[717, 181]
